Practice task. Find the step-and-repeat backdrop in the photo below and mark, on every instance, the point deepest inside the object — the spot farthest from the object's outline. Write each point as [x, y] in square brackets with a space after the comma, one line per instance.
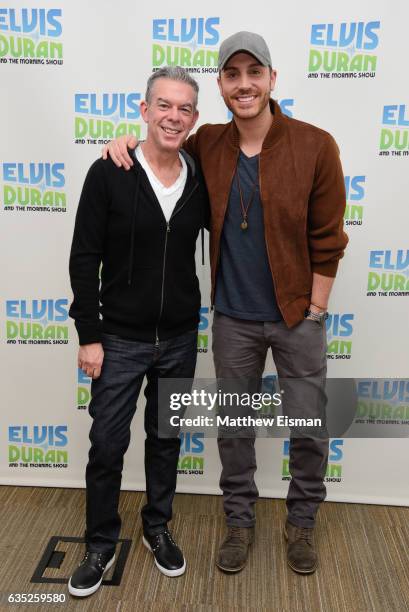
[72, 77]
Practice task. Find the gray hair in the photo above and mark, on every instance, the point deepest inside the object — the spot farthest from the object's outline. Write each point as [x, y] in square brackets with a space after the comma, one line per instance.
[175, 73]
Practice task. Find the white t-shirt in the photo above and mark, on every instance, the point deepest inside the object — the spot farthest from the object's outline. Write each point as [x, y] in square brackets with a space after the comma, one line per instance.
[167, 196]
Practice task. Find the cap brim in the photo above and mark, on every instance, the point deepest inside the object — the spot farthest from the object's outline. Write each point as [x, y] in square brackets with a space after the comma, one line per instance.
[260, 59]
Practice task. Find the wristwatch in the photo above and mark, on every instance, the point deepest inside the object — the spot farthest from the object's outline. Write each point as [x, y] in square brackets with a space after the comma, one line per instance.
[319, 317]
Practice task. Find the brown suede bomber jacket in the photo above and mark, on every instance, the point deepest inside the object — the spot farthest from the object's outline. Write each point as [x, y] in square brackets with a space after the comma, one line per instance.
[303, 197]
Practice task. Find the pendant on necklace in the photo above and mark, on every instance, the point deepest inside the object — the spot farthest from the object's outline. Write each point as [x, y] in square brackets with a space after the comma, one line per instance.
[243, 225]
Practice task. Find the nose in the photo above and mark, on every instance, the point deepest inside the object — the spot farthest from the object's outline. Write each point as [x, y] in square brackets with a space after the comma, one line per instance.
[244, 81]
[173, 114]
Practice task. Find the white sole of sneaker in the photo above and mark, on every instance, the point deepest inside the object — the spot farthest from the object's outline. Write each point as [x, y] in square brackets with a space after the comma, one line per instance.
[167, 572]
[85, 592]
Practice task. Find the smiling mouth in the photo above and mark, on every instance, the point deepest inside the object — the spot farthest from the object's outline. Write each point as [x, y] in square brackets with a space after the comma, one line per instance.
[170, 131]
[245, 98]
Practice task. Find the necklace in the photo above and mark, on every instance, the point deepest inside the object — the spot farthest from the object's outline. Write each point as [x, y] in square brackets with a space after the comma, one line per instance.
[244, 209]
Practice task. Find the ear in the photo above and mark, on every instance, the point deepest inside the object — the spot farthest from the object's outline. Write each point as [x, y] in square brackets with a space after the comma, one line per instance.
[143, 107]
[219, 82]
[195, 117]
[273, 77]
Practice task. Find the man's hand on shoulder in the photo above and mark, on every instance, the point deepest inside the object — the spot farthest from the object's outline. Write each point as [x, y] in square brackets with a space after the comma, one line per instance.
[90, 359]
[118, 150]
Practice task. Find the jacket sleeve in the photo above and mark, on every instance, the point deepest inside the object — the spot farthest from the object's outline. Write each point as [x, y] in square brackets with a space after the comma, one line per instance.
[86, 254]
[326, 208]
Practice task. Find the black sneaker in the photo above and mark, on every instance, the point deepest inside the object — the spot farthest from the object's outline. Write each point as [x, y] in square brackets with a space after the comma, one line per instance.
[88, 576]
[169, 558]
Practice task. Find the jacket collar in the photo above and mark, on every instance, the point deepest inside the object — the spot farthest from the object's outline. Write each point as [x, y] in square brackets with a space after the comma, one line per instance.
[273, 135]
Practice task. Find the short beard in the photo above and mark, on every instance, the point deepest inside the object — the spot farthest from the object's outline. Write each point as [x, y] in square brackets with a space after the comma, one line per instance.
[264, 101]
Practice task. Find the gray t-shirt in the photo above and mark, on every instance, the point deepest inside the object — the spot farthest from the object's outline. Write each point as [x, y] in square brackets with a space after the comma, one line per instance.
[244, 285]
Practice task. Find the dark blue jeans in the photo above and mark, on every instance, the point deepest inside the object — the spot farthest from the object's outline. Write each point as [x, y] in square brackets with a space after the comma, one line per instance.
[112, 407]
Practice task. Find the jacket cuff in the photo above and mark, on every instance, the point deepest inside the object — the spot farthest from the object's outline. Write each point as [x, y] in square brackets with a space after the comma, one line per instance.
[327, 268]
[88, 334]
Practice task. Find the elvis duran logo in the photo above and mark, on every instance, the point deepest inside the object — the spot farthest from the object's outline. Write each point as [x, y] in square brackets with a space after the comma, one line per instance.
[34, 186]
[395, 131]
[83, 390]
[32, 446]
[100, 117]
[191, 43]
[389, 273]
[339, 331]
[355, 194]
[37, 321]
[31, 36]
[191, 459]
[383, 402]
[334, 467]
[343, 50]
[202, 338]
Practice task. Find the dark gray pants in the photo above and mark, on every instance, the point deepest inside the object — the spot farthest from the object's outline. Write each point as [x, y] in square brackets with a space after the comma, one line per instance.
[239, 350]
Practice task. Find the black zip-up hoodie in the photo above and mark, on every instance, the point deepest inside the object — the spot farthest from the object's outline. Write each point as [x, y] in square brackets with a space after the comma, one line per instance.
[148, 289]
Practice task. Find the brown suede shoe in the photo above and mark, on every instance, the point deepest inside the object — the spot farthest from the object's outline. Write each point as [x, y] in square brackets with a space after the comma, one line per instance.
[233, 552]
[301, 555]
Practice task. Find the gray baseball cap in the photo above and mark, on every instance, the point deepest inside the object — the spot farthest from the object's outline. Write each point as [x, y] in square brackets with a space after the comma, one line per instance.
[247, 42]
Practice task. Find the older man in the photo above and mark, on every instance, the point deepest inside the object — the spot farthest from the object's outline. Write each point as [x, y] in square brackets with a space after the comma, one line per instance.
[142, 226]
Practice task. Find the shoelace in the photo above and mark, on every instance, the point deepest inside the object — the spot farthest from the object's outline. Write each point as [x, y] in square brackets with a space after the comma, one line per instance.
[167, 534]
[304, 534]
[235, 536]
[85, 559]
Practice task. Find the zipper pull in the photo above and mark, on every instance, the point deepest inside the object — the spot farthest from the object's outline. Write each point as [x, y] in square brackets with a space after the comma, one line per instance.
[157, 340]
[167, 227]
